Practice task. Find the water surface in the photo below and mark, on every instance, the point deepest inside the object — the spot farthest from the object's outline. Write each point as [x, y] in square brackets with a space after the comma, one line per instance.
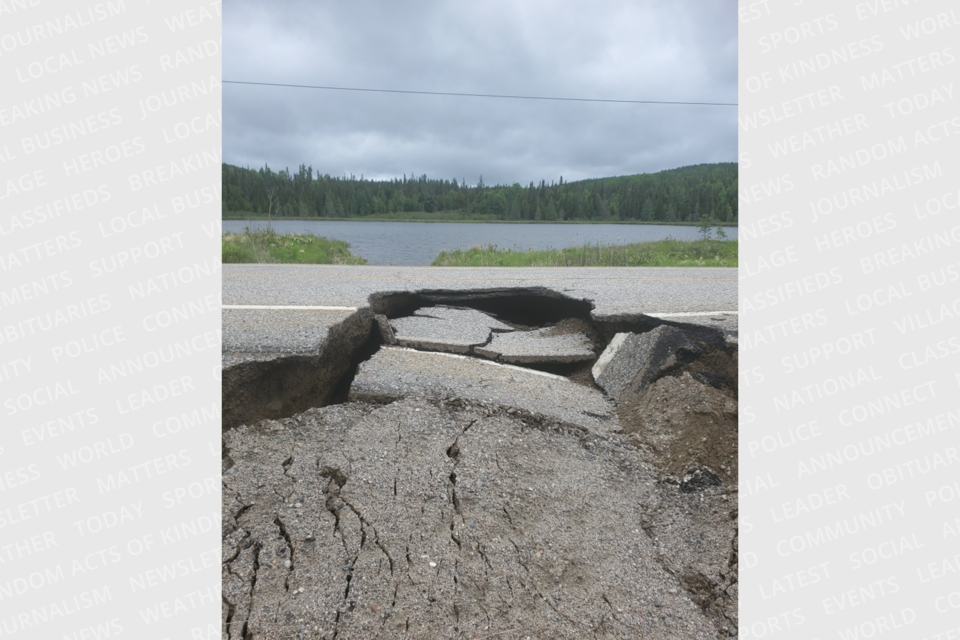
[418, 243]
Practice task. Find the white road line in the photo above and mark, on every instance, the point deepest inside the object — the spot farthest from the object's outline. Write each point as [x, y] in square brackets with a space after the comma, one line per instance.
[324, 308]
[282, 307]
[692, 313]
[458, 356]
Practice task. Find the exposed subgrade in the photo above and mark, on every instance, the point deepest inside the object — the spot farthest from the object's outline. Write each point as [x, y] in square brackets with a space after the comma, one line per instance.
[286, 385]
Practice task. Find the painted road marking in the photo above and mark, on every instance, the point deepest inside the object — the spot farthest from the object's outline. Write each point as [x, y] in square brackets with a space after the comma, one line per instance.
[454, 279]
[674, 314]
[286, 307]
[491, 363]
[692, 313]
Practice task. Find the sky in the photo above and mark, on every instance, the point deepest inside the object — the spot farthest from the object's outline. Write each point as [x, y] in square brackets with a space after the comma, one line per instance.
[667, 50]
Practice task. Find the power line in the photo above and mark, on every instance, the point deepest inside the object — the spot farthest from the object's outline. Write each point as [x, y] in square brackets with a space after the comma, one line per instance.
[476, 95]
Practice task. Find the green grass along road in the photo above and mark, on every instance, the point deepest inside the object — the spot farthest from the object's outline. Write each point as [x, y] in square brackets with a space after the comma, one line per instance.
[267, 246]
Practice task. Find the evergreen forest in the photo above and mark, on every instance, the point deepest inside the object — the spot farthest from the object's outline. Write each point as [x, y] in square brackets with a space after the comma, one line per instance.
[687, 194]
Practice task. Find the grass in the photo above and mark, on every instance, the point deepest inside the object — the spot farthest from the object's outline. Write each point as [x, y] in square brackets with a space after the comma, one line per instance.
[662, 253]
[289, 248]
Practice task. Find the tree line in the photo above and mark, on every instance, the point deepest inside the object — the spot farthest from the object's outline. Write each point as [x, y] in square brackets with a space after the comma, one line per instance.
[686, 194]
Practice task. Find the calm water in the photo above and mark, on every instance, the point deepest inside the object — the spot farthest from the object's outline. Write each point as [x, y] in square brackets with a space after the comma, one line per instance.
[418, 243]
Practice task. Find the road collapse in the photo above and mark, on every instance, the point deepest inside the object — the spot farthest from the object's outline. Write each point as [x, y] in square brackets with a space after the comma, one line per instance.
[486, 463]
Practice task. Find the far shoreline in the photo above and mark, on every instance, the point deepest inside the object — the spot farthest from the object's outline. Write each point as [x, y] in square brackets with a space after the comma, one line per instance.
[660, 223]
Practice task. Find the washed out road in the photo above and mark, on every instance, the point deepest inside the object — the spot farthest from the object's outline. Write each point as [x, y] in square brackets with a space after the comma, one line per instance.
[384, 476]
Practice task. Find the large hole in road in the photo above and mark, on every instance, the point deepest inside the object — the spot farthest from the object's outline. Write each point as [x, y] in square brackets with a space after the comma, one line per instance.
[282, 387]
[531, 307]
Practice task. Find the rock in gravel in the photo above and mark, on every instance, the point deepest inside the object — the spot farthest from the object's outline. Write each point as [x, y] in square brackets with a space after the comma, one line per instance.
[540, 346]
[426, 519]
[445, 329]
[633, 361]
[393, 373]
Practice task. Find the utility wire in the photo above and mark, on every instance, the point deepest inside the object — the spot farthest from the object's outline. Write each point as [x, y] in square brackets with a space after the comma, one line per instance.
[475, 95]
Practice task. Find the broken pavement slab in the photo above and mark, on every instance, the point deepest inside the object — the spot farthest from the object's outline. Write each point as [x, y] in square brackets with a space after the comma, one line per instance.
[540, 346]
[632, 361]
[700, 325]
[257, 335]
[446, 329]
[395, 373]
[724, 321]
[421, 519]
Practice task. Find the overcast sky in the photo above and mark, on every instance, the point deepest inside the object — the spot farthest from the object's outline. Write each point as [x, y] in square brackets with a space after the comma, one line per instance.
[631, 50]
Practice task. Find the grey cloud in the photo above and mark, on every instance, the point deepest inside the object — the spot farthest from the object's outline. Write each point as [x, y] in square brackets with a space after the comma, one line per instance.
[637, 50]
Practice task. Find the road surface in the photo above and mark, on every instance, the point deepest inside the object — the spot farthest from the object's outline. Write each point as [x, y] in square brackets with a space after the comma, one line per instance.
[267, 308]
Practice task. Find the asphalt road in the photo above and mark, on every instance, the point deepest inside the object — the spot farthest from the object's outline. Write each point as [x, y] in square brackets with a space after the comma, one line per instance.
[272, 310]
[612, 290]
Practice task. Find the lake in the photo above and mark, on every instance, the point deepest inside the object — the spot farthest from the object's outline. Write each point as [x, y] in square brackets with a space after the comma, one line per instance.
[418, 243]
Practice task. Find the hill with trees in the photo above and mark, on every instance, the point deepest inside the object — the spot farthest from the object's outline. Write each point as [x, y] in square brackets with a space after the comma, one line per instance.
[686, 194]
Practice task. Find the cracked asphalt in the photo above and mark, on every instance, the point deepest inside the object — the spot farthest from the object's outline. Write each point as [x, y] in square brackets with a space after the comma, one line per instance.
[394, 373]
[424, 520]
[446, 329]
[265, 334]
[450, 497]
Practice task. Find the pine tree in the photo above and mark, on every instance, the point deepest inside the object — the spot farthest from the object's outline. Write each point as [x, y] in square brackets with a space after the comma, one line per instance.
[646, 213]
